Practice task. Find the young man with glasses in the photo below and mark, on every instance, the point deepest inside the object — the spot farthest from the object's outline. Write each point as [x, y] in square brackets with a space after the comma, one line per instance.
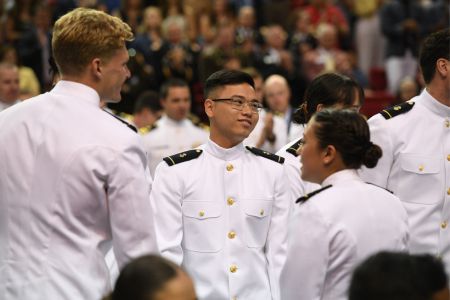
[222, 209]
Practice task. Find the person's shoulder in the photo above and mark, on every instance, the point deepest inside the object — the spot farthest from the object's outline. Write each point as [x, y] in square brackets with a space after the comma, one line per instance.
[182, 157]
[266, 155]
[396, 112]
[317, 193]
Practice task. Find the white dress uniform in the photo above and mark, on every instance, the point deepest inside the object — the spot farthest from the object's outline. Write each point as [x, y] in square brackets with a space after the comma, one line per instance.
[72, 178]
[334, 231]
[297, 186]
[170, 137]
[416, 166]
[4, 106]
[279, 129]
[223, 215]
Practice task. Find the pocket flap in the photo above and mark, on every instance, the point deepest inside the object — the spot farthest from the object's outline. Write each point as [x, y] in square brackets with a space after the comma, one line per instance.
[420, 164]
[257, 208]
[202, 209]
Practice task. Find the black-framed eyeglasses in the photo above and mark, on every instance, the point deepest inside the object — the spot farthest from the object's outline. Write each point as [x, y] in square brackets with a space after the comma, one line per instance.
[239, 103]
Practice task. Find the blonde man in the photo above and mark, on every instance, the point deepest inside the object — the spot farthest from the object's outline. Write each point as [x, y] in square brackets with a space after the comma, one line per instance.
[74, 179]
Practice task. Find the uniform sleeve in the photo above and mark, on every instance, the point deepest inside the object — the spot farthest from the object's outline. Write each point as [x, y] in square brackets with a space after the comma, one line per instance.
[319, 258]
[131, 216]
[166, 199]
[276, 246]
[296, 184]
[380, 136]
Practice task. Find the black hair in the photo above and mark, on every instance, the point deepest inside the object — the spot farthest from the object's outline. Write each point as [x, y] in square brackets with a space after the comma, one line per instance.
[349, 133]
[435, 46]
[226, 77]
[172, 82]
[327, 89]
[143, 277]
[147, 99]
[397, 276]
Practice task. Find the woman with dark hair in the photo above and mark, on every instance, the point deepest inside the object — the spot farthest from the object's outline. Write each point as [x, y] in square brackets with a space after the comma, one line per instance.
[152, 277]
[347, 220]
[325, 91]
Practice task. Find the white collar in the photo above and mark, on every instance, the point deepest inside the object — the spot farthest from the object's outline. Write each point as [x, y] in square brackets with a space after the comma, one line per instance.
[223, 153]
[434, 105]
[77, 90]
[170, 122]
[340, 176]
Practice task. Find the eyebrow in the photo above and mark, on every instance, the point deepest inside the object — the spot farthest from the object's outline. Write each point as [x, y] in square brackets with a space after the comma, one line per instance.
[239, 96]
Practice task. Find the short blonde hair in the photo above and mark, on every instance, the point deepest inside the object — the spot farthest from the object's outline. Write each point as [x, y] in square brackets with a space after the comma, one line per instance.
[84, 34]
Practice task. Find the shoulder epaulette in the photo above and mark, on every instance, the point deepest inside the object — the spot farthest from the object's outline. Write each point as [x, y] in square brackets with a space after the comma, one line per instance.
[294, 148]
[124, 122]
[396, 110]
[309, 195]
[182, 157]
[266, 154]
[197, 122]
[380, 187]
[147, 129]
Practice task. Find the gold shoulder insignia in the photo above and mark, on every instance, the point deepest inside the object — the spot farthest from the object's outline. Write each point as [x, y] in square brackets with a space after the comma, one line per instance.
[182, 157]
[309, 195]
[396, 110]
[123, 121]
[147, 129]
[293, 149]
[266, 154]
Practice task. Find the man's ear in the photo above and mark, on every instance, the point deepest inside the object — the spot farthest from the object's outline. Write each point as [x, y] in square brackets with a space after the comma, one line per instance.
[442, 66]
[209, 104]
[329, 154]
[319, 107]
[96, 68]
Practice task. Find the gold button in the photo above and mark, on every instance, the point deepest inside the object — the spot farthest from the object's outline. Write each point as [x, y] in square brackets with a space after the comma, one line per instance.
[233, 268]
[201, 213]
[231, 235]
[447, 123]
[234, 298]
[230, 201]
[448, 157]
[448, 191]
[397, 107]
[444, 225]
[261, 212]
[230, 167]
[421, 168]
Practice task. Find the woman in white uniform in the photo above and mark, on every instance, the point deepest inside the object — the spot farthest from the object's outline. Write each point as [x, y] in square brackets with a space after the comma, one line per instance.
[346, 220]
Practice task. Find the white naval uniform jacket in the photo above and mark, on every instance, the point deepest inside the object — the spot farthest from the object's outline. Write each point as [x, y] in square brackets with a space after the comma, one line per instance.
[336, 229]
[72, 178]
[416, 166]
[223, 216]
[170, 137]
[297, 186]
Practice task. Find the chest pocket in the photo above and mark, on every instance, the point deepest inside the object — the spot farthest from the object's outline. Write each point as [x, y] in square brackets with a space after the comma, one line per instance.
[203, 228]
[418, 171]
[257, 221]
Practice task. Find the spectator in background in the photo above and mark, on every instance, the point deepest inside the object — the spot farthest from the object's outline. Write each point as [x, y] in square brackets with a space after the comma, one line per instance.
[277, 95]
[270, 132]
[9, 85]
[131, 13]
[408, 89]
[399, 276]
[28, 82]
[173, 132]
[403, 23]
[345, 63]
[152, 277]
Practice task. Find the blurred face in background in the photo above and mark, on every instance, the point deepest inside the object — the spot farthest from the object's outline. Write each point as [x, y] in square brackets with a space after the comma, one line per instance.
[9, 84]
[277, 95]
[177, 104]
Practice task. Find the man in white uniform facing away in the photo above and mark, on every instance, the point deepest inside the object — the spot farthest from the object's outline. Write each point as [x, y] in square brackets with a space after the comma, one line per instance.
[73, 178]
[221, 210]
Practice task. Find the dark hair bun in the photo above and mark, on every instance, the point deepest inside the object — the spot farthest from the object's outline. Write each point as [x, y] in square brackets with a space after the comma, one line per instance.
[372, 155]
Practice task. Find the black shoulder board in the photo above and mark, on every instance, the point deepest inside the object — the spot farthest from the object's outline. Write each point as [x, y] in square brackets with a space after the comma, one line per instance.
[266, 154]
[124, 122]
[182, 157]
[396, 110]
[309, 195]
[380, 187]
[294, 148]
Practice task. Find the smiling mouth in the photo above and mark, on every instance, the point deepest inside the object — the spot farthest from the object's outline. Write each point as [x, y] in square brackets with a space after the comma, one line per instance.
[246, 121]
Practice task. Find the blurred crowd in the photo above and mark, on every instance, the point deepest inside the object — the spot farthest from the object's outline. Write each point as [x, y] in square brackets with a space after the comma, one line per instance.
[375, 42]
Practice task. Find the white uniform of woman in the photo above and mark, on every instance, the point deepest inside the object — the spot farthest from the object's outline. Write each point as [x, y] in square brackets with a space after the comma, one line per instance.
[336, 229]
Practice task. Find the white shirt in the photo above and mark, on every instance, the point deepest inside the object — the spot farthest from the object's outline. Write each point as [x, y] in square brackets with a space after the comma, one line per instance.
[297, 186]
[4, 105]
[416, 167]
[279, 129]
[72, 178]
[170, 137]
[336, 229]
[223, 216]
